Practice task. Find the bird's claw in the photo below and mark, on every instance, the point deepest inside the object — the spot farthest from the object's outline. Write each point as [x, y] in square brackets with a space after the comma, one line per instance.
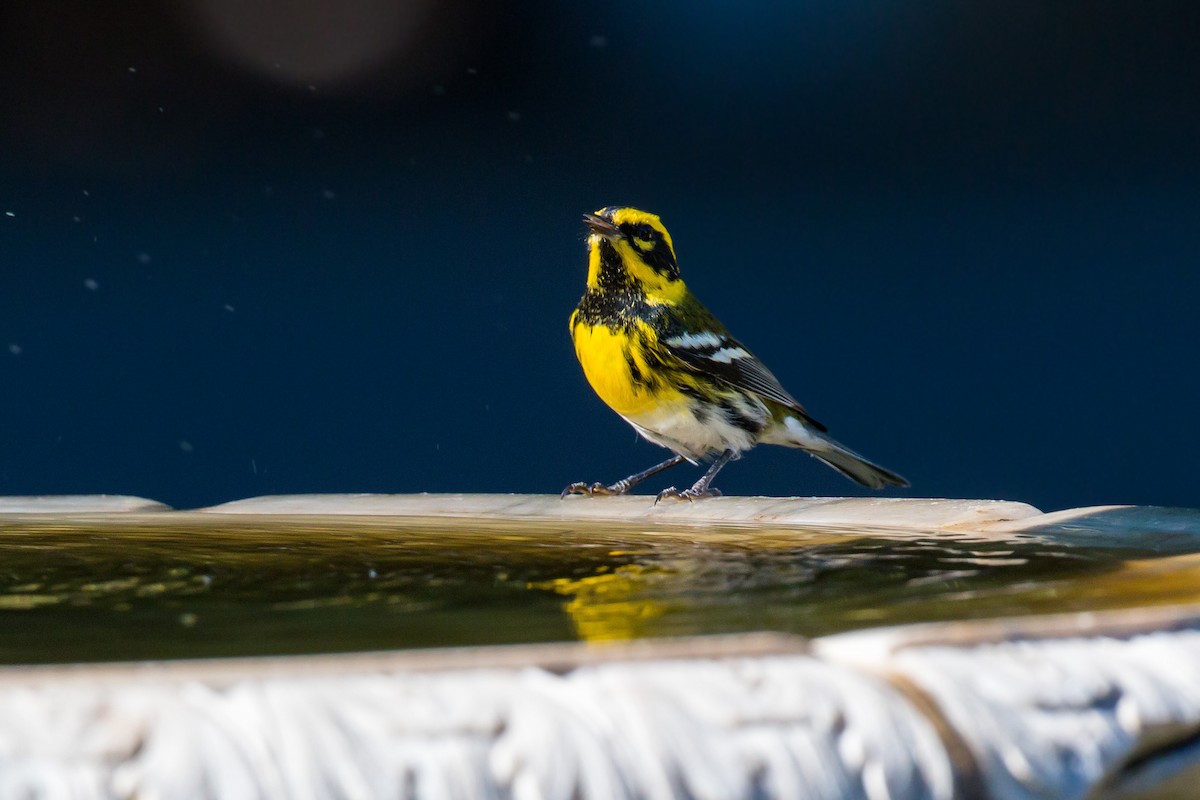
[687, 494]
[589, 489]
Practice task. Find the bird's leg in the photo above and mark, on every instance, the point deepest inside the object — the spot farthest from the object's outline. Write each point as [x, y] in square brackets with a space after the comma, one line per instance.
[701, 487]
[625, 484]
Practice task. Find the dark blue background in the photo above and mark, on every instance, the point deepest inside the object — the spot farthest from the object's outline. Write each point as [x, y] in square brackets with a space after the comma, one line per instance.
[964, 235]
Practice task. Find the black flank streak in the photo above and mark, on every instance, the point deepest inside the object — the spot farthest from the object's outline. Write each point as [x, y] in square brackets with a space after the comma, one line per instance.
[735, 418]
[635, 374]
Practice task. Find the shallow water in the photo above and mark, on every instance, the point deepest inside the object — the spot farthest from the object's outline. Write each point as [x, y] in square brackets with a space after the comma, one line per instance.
[147, 588]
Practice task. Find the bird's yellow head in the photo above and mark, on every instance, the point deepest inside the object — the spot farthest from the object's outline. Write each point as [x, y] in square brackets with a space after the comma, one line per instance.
[630, 249]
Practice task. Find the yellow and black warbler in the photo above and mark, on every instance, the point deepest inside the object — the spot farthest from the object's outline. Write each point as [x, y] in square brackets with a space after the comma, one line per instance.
[662, 361]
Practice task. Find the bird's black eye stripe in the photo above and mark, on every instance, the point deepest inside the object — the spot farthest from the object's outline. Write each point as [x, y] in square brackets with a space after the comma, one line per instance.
[640, 231]
[653, 249]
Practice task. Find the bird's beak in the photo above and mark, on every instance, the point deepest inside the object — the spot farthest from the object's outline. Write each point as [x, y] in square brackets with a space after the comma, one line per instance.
[602, 227]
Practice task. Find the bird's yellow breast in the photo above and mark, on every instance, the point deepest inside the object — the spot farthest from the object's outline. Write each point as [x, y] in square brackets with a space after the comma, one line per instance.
[610, 359]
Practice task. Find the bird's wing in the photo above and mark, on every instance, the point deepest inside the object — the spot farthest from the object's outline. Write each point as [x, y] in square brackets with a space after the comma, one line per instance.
[722, 357]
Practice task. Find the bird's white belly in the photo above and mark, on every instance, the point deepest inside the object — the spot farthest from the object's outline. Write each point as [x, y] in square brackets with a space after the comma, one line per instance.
[676, 428]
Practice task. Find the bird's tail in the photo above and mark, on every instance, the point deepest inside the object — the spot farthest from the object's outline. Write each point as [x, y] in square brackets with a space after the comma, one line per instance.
[821, 446]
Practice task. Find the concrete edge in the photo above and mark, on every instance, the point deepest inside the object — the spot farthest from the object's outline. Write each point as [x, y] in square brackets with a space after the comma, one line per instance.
[78, 504]
[877, 514]
[1164, 529]
[902, 513]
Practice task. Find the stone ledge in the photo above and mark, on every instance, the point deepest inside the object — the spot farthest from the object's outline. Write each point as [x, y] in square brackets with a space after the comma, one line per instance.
[1164, 530]
[78, 504]
[899, 513]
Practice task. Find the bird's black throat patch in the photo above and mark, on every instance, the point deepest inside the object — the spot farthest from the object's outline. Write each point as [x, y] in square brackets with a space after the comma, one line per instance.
[615, 308]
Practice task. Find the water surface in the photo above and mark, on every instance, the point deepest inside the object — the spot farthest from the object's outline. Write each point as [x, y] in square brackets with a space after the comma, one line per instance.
[149, 588]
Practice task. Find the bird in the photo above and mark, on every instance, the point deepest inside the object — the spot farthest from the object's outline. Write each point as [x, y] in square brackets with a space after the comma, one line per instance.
[663, 362]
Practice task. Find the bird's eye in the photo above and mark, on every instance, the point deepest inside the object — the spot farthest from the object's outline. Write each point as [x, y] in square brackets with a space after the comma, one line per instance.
[645, 232]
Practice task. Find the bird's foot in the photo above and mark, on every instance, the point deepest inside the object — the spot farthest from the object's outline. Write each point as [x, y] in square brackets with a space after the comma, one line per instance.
[594, 489]
[691, 494]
